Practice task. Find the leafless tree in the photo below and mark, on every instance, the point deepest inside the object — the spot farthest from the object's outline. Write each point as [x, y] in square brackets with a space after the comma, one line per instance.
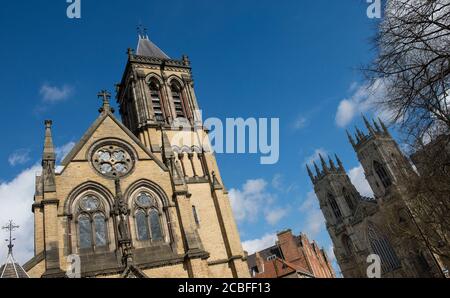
[413, 63]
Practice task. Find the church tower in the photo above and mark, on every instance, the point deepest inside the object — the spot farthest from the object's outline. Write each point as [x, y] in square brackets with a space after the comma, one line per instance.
[383, 225]
[141, 197]
[342, 205]
[384, 164]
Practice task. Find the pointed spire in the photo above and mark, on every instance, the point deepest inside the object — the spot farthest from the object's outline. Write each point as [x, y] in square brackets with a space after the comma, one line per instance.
[49, 148]
[310, 174]
[359, 134]
[318, 172]
[350, 138]
[386, 131]
[369, 127]
[106, 107]
[148, 49]
[48, 160]
[340, 164]
[11, 269]
[324, 164]
[377, 127]
[332, 166]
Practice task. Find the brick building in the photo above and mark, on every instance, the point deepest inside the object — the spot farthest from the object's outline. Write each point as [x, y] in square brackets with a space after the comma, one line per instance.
[291, 257]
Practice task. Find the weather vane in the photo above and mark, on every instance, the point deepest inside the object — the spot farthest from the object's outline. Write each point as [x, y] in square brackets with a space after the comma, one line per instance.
[11, 227]
[141, 30]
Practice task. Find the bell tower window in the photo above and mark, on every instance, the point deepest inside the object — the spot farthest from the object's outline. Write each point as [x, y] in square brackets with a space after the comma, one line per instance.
[178, 101]
[335, 207]
[156, 102]
[382, 174]
[348, 199]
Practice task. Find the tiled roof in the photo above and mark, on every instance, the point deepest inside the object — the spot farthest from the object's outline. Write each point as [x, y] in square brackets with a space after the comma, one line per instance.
[148, 49]
[12, 270]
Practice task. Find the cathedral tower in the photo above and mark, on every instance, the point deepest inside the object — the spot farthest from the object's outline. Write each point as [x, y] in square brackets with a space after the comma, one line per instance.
[383, 225]
[142, 197]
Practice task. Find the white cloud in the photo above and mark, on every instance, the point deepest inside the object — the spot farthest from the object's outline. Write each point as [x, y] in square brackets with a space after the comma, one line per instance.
[315, 156]
[248, 202]
[358, 179]
[273, 216]
[19, 157]
[313, 222]
[309, 202]
[278, 183]
[362, 100]
[300, 122]
[53, 94]
[330, 254]
[255, 245]
[16, 197]
[61, 152]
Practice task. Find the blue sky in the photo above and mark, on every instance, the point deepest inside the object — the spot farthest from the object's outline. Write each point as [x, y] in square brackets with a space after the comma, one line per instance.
[293, 60]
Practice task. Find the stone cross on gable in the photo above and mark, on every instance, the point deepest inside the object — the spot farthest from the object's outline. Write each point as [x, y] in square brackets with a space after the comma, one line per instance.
[11, 227]
[105, 96]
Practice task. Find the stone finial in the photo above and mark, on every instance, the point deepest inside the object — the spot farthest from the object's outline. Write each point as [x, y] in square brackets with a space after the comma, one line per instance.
[369, 127]
[386, 131]
[310, 174]
[324, 164]
[350, 138]
[106, 107]
[49, 148]
[186, 60]
[360, 134]
[318, 172]
[340, 164]
[377, 127]
[332, 166]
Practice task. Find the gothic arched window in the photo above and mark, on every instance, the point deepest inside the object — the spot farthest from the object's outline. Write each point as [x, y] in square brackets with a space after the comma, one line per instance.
[349, 199]
[348, 245]
[335, 207]
[382, 174]
[178, 100]
[156, 101]
[381, 246]
[92, 227]
[148, 217]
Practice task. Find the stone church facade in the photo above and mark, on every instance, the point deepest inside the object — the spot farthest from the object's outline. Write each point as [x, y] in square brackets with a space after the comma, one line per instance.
[361, 226]
[141, 197]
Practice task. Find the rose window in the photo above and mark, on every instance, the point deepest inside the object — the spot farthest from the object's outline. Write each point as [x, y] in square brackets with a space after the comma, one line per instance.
[112, 161]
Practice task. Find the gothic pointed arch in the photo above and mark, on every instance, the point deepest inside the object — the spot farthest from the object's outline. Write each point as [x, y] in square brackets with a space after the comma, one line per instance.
[84, 187]
[382, 174]
[150, 218]
[157, 99]
[380, 245]
[347, 243]
[349, 199]
[334, 207]
[92, 229]
[178, 98]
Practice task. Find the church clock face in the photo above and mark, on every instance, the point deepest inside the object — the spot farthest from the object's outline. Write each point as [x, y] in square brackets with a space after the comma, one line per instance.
[112, 160]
